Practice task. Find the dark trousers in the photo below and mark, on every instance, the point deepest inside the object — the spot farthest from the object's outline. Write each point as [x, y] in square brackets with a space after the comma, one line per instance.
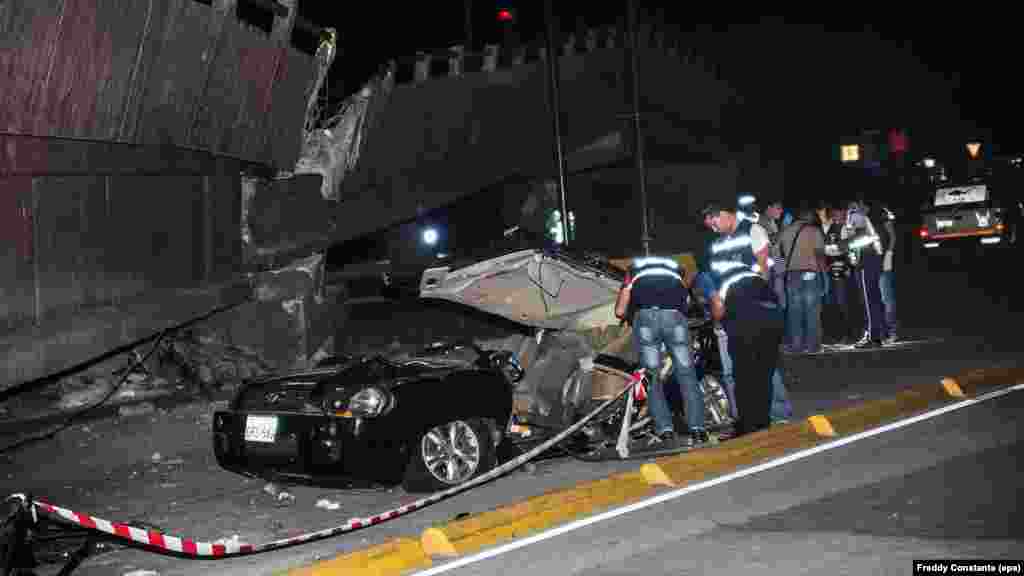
[870, 274]
[755, 326]
[843, 315]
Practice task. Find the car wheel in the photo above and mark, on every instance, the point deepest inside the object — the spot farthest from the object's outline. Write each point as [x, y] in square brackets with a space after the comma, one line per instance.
[449, 455]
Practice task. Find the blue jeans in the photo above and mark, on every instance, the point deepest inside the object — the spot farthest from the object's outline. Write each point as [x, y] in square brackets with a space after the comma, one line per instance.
[803, 310]
[887, 284]
[653, 327]
[781, 408]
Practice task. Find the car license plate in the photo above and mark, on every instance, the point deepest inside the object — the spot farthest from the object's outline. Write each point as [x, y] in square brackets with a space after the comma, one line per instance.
[260, 428]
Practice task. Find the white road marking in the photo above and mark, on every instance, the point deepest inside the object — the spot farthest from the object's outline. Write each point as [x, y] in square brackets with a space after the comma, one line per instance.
[584, 522]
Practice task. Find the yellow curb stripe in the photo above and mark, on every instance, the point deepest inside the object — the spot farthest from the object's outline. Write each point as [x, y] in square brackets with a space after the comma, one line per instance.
[952, 387]
[767, 444]
[391, 558]
[821, 425]
[697, 466]
[863, 416]
[974, 381]
[533, 515]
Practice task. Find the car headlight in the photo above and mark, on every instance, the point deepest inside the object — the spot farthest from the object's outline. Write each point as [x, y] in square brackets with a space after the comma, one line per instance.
[369, 402]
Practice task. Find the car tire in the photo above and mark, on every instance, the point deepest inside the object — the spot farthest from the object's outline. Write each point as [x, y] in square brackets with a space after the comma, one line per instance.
[473, 438]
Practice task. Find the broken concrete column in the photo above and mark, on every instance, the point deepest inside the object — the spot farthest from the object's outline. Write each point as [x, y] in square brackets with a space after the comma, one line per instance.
[294, 313]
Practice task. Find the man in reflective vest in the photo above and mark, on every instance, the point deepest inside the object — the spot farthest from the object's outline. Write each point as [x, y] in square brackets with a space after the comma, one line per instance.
[867, 244]
[743, 301]
[653, 299]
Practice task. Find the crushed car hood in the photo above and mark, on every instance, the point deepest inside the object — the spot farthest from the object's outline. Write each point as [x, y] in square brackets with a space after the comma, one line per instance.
[540, 287]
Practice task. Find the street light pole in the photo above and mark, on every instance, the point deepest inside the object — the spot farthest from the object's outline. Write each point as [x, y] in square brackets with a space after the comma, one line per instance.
[638, 151]
[556, 111]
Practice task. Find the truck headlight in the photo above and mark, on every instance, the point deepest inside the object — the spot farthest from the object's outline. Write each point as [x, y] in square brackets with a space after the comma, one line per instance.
[370, 402]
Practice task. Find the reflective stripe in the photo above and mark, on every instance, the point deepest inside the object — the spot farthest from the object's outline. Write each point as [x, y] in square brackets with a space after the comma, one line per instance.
[731, 244]
[863, 242]
[656, 272]
[655, 261]
[732, 280]
[723, 266]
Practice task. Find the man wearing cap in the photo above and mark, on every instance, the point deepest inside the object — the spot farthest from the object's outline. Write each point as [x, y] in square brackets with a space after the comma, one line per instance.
[653, 299]
[741, 298]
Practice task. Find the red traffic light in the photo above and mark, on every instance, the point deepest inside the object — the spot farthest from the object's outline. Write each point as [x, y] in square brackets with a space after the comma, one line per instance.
[505, 15]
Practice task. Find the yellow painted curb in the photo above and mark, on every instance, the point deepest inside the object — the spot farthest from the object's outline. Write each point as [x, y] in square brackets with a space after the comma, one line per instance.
[779, 440]
[975, 381]
[702, 464]
[821, 425]
[532, 515]
[876, 412]
[391, 558]
[952, 387]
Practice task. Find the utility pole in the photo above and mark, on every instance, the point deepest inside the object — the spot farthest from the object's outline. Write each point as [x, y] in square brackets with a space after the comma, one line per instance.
[556, 111]
[638, 150]
[468, 24]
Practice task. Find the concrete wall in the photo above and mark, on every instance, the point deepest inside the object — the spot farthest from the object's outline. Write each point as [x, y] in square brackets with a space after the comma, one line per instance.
[93, 224]
[169, 72]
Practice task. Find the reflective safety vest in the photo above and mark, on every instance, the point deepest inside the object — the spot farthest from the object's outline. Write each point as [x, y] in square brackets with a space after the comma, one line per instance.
[732, 259]
[654, 266]
[866, 238]
[656, 282]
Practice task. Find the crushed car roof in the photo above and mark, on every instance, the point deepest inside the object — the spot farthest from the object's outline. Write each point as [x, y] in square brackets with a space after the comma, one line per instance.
[543, 287]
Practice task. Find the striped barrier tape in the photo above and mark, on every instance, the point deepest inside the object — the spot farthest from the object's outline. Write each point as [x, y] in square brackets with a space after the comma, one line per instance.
[173, 545]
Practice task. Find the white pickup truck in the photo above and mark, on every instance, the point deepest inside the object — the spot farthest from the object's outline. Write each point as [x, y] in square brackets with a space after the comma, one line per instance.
[980, 214]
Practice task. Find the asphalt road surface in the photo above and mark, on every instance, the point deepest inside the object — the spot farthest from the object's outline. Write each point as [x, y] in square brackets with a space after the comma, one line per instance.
[947, 487]
[159, 468]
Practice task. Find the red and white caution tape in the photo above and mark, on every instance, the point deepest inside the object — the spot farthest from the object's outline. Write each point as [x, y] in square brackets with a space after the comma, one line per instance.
[164, 543]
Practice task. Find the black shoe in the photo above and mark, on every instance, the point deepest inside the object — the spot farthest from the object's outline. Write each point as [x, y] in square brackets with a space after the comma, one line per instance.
[699, 438]
[868, 344]
[664, 441]
[727, 434]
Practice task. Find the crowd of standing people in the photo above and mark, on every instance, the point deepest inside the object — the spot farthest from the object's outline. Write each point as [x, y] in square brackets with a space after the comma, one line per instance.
[771, 281]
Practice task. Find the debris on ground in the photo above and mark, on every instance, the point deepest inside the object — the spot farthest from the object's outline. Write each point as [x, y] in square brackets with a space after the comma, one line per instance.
[229, 541]
[328, 504]
[82, 392]
[140, 409]
[279, 493]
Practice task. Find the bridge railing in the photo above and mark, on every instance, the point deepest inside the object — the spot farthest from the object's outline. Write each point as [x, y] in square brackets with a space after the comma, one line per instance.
[456, 60]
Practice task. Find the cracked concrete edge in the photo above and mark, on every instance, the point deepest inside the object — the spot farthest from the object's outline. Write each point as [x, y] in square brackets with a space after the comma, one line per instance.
[509, 522]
